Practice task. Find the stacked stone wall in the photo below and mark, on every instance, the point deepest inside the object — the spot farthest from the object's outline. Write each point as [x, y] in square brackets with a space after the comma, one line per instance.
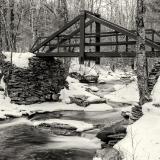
[39, 82]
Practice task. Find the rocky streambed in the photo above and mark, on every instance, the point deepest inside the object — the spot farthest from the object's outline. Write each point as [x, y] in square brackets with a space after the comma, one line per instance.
[33, 138]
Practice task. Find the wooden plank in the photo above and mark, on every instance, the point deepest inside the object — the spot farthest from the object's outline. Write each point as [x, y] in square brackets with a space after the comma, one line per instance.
[111, 43]
[127, 43]
[153, 39]
[97, 44]
[98, 39]
[82, 37]
[59, 54]
[130, 54]
[117, 42]
[121, 30]
[56, 34]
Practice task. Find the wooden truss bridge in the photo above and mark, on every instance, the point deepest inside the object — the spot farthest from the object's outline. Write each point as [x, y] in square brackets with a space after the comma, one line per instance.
[89, 37]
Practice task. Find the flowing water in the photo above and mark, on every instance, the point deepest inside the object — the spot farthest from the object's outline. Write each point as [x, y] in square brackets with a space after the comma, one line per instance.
[20, 140]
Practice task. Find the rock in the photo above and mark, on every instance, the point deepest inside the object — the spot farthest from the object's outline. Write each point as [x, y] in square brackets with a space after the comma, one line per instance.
[55, 97]
[60, 129]
[113, 132]
[89, 79]
[38, 83]
[80, 100]
[108, 154]
[136, 113]
[93, 89]
[126, 114]
[1, 88]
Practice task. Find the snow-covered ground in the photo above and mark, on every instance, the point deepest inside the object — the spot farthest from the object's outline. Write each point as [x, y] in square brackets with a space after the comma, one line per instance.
[143, 141]
[19, 59]
[104, 72]
[125, 94]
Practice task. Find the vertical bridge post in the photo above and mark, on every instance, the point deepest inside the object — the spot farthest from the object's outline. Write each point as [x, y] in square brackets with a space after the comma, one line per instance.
[82, 37]
[98, 39]
[153, 39]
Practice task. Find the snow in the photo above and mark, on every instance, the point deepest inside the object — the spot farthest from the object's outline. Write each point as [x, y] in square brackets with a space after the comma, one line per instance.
[93, 88]
[80, 125]
[98, 107]
[156, 93]
[104, 72]
[19, 59]
[76, 88]
[142, 140]
[125, 94]
[97, 158]
[82, 69]
[61, 142]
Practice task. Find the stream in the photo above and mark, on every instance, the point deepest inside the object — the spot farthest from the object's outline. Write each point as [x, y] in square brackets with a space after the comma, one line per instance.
[21, 140]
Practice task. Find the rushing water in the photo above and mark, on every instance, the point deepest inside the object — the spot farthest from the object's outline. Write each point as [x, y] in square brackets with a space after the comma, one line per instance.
[25, 142]
[20, 140]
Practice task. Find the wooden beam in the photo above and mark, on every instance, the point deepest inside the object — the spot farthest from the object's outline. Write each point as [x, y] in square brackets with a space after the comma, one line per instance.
[59, 54]
[127, 43]
[82, 37]
[56, 34]
[96, 44]
[98, 39]
[153, 39]
[121, 30]
[130, 54]
[116, 42]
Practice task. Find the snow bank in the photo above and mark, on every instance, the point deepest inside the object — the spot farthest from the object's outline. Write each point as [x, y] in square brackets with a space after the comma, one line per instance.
[80, 125]
[19, 59]
[156, 93]
[125, 94]
[142, 140]
[104, 72]
[7, 109]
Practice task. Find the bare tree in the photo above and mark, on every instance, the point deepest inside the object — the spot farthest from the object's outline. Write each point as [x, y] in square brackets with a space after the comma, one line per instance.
[142, 74]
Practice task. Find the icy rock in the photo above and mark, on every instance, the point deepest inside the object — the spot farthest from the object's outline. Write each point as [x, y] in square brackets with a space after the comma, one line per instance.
[93, 89]
[107, 154]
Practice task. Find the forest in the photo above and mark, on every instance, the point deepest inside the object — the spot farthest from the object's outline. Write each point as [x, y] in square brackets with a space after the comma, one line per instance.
[22, 21]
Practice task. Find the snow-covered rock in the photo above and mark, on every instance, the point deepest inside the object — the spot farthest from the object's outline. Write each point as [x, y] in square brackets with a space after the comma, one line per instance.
[80, 125]
[125, 94]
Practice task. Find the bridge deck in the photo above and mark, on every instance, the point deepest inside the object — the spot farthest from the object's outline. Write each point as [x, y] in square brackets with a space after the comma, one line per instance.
[116, 42]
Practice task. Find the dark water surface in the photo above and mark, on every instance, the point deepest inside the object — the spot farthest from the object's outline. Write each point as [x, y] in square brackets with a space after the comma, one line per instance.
[20, 140]
[25, 142]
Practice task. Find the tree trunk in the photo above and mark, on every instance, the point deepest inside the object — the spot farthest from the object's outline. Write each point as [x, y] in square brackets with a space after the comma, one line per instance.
[0, 27]
[12, 26]
[82, 4]
[142, 73]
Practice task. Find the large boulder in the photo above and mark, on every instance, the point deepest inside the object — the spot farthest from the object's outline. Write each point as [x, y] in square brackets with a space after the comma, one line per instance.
[112, 134]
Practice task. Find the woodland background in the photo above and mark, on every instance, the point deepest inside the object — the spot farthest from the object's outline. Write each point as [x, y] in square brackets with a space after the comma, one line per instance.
[22, 21]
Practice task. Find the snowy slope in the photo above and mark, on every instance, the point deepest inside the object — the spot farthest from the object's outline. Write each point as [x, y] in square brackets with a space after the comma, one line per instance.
[143, 141]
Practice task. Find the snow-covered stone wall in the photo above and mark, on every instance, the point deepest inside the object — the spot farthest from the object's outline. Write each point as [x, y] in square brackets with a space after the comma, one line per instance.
[39, 82]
